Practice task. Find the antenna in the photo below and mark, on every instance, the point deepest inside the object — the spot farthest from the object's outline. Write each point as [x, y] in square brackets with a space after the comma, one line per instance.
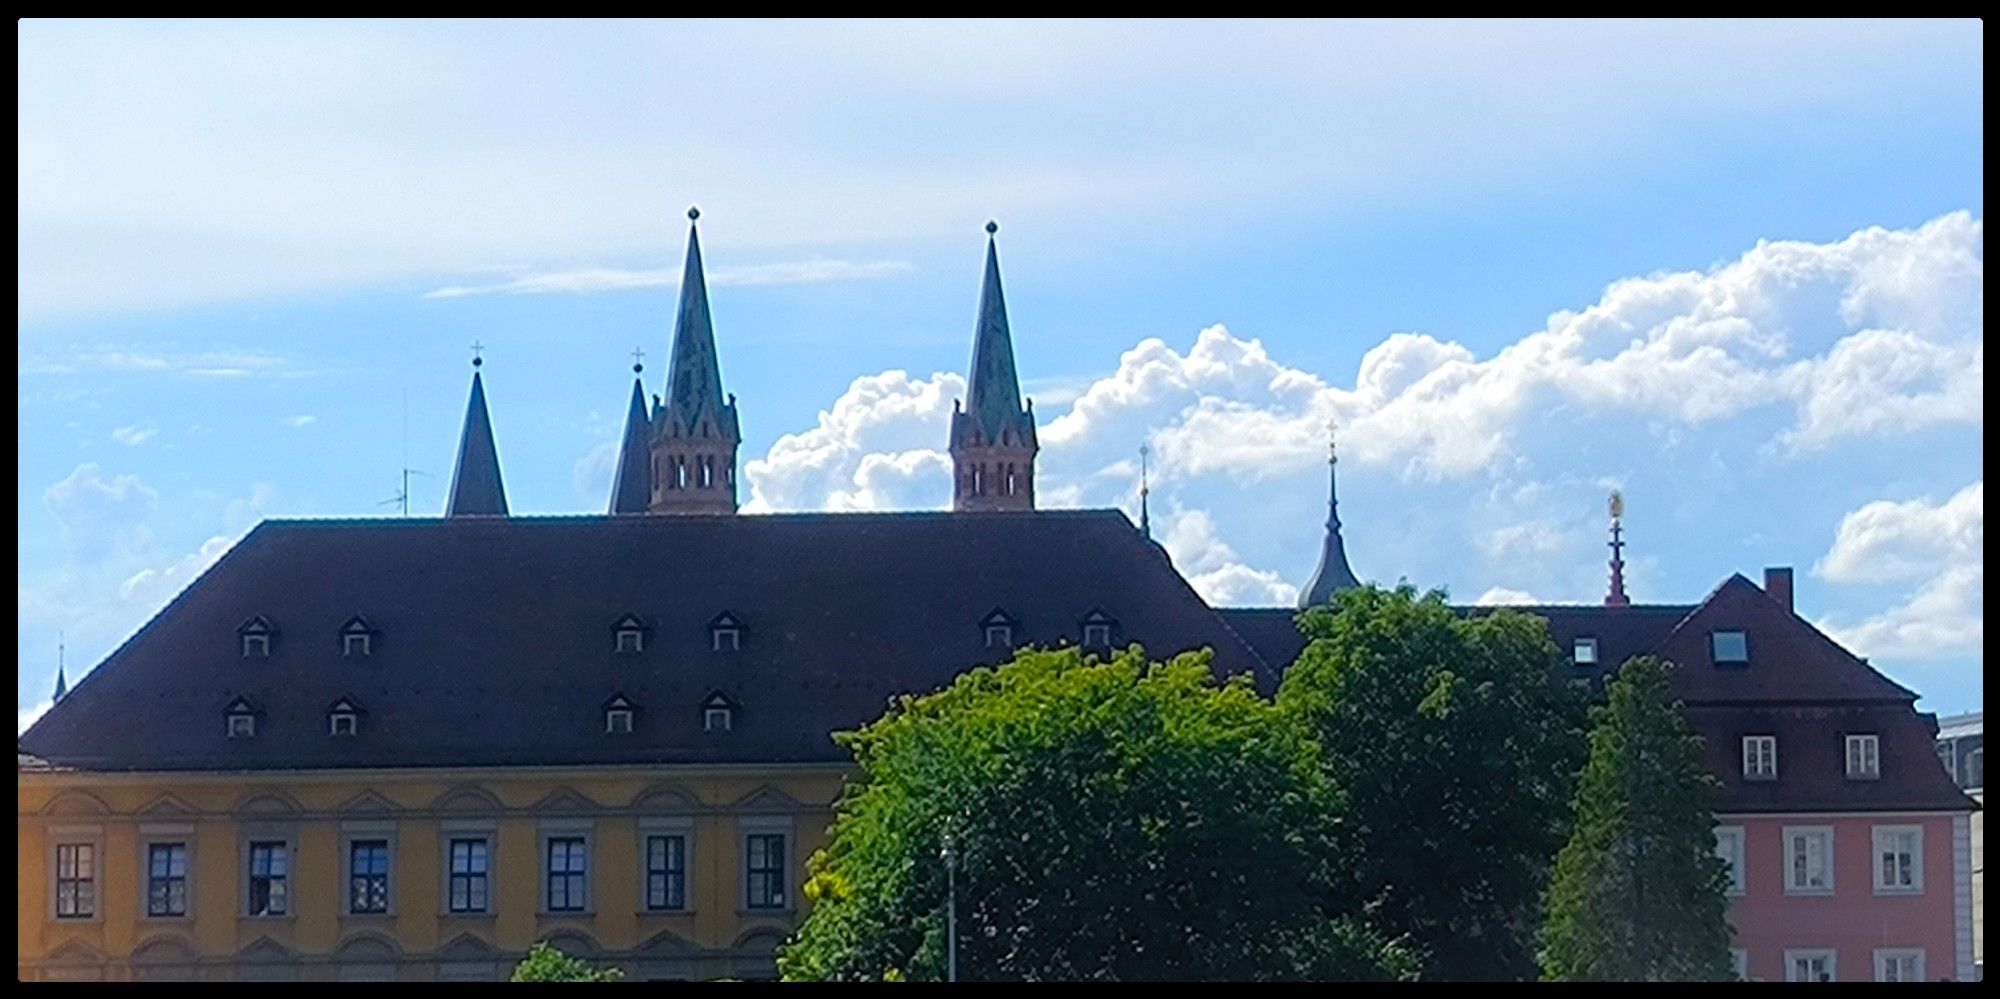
[1145, 490]
[402, 497]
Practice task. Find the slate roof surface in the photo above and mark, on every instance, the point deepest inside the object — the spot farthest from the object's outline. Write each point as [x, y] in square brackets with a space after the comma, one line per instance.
[494, 642]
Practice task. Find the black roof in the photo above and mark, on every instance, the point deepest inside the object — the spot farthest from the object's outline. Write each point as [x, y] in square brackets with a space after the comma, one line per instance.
[494, 639]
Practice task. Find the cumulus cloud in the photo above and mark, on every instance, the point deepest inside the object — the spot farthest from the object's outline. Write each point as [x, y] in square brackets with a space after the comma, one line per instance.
[880, 446]
[1501, 596]
[1939, 546]
[1530, 539]
[1211, 566]
[133, 436]
[97, 515]
[593, 280]
[153, 587]
[29, 715]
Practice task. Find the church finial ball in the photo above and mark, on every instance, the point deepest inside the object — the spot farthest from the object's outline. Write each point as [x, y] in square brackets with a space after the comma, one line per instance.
[992, 227]
[693, 213]
[637, 368]
[476, 362]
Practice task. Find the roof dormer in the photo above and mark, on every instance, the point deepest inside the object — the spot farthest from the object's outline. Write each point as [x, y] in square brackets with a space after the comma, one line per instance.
[718, 712]
[618, 712]
[357, 639]
[628, 635]
[343, 717]
[997, 628]
[254, 638]
[240, 718]
[725, 633]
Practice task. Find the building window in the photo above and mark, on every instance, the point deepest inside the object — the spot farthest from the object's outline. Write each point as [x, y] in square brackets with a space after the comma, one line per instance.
[726, 640]
[567, 869]
[368, 877]
[242, 726]
[1729, 847]
[468, 876]
[715, 720]
[256, 646]
[1899, 965]
[1809, 860]
[341, 723]
[76, 880]
[631, 640]
[354, 645]
[1739, 962]
[618, 720]
[166, 879]
[1809, 966]
[269, 878]
[764, 868]
[1864, 757]
[1948, 753]
[999, 636]
[666, 873]
[1097, 636]
[1975, 769]
[1760, 757]
[1899, 860]
[1584, 652]
[1729, 648]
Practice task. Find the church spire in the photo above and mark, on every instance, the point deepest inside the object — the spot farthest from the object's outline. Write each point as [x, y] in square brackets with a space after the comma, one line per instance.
[1333, 574]
[1615, 596]
[476, 490]
[993, 442]
[631, 492]
[695, 433]
[62, 686]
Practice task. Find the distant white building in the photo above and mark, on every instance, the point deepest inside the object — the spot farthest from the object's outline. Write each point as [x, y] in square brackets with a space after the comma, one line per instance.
[1960, 745]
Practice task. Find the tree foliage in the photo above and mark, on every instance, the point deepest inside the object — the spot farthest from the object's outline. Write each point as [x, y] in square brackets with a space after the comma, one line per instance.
[1454, 744]
[1113, 820]
[544, 963]
[1638, 893]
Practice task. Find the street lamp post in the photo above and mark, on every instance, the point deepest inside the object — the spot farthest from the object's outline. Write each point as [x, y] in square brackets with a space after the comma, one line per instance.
[950, 911]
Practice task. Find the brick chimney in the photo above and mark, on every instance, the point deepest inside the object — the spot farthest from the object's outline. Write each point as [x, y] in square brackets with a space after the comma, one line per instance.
[1778, 583]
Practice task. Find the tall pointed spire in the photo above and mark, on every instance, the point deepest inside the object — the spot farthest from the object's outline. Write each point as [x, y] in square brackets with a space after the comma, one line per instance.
[1615, 596]
[62, 686]
[1145, 491]
[993, 441]
[476, 490]
[695, 434]
[632, 490]
[1333, 574]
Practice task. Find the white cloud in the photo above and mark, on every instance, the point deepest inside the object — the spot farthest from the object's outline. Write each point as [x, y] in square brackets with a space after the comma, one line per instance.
[29, 715]
[135, 360]
[1886, 540]
[153, 587]
[593, 280]
[303, 420]
[878, 447]
[1213, 569]
[97, 516]
[133, 436]
[1530, 539]
[1502, 596]
[1939, 545]
[592, 474]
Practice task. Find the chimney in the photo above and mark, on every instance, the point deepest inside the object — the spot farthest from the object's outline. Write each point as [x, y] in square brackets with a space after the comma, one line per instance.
[1778, 583]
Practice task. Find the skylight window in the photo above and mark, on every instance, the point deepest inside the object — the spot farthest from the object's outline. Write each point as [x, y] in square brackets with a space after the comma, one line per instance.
[1729, 648]
[1584, 652]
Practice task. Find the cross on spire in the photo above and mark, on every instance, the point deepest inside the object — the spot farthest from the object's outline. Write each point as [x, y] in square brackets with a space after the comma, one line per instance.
[638, 360]
[476, 348]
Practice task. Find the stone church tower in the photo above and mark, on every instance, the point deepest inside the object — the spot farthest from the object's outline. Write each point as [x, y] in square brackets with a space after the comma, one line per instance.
[993, 435]
[694, 431]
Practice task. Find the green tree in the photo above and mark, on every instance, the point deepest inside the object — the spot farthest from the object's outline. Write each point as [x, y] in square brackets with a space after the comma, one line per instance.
[1112, 820]
[544, 963]
[1455, 745]
[1638, 893]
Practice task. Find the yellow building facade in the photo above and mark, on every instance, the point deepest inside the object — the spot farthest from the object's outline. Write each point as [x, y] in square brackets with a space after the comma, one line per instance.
[153, 873]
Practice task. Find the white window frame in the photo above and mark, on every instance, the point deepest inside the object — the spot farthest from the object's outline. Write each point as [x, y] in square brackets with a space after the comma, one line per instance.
[1880, 841]
[242, 725]
[1005, 633]
[1864, 756]
[618, 721]
[1576, 651]
[709, 716]
[1739, 962]
[1714, 654]
[636, 645]
[263, 642]
[339, 720]
[1729, 846]
[1793, 957]
[347, 640]
[1792, 885]
[1753, 760]
[1097, 635]
[725, 638]
[1885, 955]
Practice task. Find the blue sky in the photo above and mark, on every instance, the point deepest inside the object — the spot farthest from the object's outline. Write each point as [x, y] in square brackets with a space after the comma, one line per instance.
[1735, 270]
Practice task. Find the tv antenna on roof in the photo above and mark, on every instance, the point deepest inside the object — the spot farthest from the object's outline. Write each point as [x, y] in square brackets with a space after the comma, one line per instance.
[402, 496]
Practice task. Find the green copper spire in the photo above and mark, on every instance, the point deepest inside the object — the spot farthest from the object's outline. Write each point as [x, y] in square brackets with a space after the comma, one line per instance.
[1333, 574]
[476, 489]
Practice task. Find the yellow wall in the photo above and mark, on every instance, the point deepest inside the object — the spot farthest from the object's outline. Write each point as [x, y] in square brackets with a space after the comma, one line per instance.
[215, 813]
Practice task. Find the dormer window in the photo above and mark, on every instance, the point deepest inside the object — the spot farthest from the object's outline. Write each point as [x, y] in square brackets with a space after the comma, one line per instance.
[718, 713]
[240, 719]
[998, 626]
[629, 635]
[1864, 757]
[618, 715]
[255, 636]
[343, 718]
[1584, 652]
[1097, 627]
[357, 639]
[1729, 648]
[725, 633]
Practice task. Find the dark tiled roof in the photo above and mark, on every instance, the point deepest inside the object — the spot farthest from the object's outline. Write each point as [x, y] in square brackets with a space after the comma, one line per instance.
[1812, 760]
[493, 638]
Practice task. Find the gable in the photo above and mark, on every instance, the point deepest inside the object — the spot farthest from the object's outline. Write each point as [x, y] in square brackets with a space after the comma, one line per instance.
[1790, 660]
